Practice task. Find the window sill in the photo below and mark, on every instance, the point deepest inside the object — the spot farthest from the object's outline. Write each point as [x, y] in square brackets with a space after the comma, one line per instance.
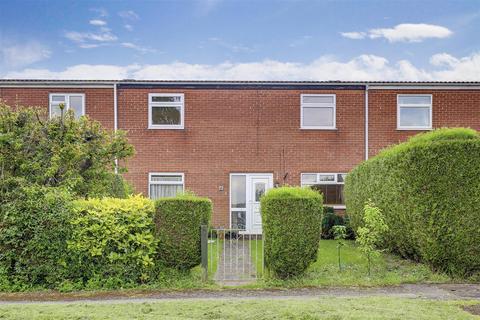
[338, 206]
[318, 128]
[414, 129]
[166, 127]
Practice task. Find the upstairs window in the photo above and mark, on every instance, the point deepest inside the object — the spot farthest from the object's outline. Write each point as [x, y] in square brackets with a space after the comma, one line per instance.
[414, 111]
[318, 111]
[70, 101]
[165, 111]
[329, 184]
[163, 185]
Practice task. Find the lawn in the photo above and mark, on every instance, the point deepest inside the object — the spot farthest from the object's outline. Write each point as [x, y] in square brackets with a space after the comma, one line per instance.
[313, 308]
[386, 270]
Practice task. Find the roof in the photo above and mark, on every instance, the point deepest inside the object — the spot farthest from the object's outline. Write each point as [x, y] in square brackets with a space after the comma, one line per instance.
[225, 84]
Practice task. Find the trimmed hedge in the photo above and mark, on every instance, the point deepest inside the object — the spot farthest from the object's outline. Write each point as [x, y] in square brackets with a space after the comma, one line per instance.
[113, 238]
[292, 220]
[34, 223]
[428, 189]
[177, 224]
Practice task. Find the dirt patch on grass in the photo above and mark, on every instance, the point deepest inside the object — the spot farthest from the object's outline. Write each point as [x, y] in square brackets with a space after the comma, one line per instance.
[475, 309]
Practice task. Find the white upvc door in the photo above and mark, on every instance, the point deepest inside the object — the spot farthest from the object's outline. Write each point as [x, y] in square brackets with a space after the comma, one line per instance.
[256, 185]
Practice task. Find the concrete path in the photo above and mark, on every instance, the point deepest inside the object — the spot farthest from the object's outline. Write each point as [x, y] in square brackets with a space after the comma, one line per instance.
[235, 265]
[414, 291]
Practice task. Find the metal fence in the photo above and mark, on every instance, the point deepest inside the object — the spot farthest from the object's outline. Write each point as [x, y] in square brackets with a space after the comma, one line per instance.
[232, 255]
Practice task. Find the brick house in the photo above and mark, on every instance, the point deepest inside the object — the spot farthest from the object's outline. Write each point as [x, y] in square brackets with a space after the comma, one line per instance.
[233, 140]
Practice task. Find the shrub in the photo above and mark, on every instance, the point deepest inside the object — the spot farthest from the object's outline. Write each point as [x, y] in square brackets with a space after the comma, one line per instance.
[330, 220]
[78, 154]
[113, 239]
[177, 222]
[34, 223]
[428, 189]
[291, 218]
[370, 234]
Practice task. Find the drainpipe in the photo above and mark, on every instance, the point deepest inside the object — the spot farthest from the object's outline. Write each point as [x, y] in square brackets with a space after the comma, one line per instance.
[115, 118]
[366, 121]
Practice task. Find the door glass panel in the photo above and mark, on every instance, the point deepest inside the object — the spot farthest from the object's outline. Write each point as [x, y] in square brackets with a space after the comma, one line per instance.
[239, 219]
[238, 192]
[259, 190]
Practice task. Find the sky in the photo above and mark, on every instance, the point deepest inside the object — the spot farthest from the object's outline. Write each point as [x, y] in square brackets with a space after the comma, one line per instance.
[241, 40]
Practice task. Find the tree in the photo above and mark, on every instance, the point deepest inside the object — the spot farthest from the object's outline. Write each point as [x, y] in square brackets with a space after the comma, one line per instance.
[77, 154]
[368, 236]
[339, 234]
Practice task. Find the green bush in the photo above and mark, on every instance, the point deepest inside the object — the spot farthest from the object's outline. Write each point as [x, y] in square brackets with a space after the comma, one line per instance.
[77, 154]
[330, 220]
[34, 223]
[177, 223]
[113, 239]
[428, 189]
[292, 219]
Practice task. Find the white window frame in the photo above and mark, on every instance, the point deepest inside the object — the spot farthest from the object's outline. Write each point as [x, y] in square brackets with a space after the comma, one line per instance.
[317, 181]
[166, 104]
[150, 182]
[399, 106]
[67, 101]
[317, 105]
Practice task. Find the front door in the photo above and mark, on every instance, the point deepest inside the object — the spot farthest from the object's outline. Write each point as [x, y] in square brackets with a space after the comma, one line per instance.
[245, 192]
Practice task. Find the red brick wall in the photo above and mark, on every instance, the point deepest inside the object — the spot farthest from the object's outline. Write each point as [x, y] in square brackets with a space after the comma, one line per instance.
[450, 108]
[240, 131]
[98, 101]
[250, 131]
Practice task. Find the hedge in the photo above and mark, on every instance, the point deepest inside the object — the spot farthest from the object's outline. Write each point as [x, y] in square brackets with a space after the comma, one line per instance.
[113, 238]
[34, 223]
[429, 191]
[177, 224]
[292, 219]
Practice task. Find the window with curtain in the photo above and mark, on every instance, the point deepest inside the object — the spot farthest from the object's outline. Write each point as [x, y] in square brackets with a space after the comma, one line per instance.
[414, 111]
[318, 111]
[163, 185]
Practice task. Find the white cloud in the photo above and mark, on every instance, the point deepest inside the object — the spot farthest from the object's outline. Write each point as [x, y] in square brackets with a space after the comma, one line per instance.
[81, 37]
[129, 15]
[354, 35]
[98, 22]
[137, 47]
[443, 59]
[411, 32]
[20, 55]
[405, 32]
[362, 68]
[129, 27]
[80, 72]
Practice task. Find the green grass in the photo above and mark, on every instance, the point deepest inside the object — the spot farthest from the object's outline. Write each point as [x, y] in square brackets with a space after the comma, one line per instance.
[386, 270]
[314, 308]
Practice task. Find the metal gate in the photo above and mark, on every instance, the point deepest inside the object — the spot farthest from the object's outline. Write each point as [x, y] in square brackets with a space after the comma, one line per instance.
[231, 255]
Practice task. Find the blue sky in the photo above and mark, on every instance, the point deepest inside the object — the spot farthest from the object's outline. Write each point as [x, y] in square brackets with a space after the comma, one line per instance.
[241, 40]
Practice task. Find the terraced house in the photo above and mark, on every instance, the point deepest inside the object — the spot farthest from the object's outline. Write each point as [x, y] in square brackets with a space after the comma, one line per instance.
[233, 140]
